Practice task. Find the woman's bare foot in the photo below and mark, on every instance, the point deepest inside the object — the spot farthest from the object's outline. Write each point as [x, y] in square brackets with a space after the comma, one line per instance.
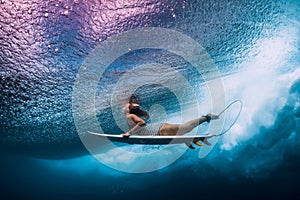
[213, 116]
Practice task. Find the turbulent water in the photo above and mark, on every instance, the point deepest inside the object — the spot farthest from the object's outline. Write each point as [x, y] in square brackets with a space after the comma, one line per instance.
[45, 46]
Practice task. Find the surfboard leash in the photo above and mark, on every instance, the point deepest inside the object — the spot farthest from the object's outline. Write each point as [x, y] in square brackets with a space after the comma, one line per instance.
[236, 118]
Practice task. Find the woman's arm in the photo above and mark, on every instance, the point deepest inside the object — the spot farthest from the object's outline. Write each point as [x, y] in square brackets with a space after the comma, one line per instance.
[139, 123]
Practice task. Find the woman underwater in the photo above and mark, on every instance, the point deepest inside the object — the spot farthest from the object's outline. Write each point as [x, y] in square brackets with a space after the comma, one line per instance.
[138, 126]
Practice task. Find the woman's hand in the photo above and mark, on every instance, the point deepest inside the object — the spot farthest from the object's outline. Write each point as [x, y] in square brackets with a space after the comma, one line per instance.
[125, 134]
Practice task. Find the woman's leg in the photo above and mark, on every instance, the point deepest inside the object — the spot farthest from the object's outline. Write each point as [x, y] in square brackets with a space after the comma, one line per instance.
[181, 129]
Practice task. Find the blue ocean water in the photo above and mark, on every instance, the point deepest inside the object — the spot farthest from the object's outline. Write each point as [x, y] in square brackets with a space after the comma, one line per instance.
[254, 45]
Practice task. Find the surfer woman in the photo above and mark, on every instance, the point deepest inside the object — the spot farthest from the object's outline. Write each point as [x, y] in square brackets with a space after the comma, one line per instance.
[138, 126]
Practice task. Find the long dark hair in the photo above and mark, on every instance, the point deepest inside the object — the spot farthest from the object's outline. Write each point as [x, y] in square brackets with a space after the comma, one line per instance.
[133, 99]
[135, 109]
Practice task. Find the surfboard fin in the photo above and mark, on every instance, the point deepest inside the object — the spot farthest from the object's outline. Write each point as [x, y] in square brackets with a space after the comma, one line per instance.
[204, 140]
[196, 142]
[190, 145]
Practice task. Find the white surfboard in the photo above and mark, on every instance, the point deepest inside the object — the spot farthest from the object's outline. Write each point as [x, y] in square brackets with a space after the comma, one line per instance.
[151, 140]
